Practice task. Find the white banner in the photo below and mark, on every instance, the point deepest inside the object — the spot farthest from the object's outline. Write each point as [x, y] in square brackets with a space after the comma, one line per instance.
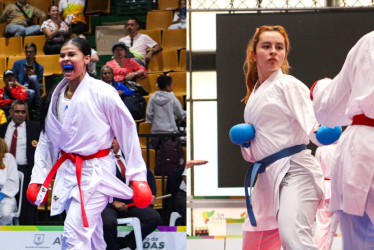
[36, 239]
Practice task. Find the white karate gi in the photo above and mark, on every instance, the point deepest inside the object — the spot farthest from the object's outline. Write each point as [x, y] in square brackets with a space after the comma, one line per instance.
[282, 114]
[95, 115]
[326, 221]
[335, 103]
[9, 185]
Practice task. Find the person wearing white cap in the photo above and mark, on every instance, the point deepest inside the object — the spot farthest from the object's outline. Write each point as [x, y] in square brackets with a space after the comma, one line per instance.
[13, 90]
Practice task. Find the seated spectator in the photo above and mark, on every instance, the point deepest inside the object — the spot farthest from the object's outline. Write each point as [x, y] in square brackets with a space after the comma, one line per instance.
[19, 18]
[125, 68]
[12, 91]
[91, 68]
[73, 14]
[141, 45]
[179, 20]
[30, 74]
[149, 218]
[176, 185]
[107, 76]
[162, 109]
[55, 31]
[22, 147]
[9, 184]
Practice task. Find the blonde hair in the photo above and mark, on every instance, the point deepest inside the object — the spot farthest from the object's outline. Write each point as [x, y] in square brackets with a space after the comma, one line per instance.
[250, 66]
[3, 151]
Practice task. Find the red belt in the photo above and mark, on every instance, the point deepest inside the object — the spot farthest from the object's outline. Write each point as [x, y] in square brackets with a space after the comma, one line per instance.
[327, 179]
[362, 120]
[78, 160]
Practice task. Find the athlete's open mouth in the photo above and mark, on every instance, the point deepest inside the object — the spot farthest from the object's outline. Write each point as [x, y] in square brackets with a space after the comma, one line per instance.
[68, 68]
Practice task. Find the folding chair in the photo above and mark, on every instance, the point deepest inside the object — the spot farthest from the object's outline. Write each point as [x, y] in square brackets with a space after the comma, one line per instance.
[19, 205]
[135, 223]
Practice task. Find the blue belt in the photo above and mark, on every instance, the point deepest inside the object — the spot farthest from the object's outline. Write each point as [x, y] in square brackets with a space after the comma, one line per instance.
[259, 167]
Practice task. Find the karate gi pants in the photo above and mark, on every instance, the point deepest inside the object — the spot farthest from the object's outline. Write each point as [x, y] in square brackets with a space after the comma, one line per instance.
[326, 225]
[6, 213]
[78, 237]
[357, 231]
[299, 197]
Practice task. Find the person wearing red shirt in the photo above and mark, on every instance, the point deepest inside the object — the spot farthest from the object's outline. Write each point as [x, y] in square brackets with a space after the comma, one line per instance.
[13, 90]
[125, 68]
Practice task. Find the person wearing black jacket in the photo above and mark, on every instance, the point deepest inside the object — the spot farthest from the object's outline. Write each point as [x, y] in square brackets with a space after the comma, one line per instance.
[149, 217]
[27, 140]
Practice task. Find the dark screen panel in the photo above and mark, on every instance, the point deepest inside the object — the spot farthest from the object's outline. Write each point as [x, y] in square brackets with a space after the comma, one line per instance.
[319, 42]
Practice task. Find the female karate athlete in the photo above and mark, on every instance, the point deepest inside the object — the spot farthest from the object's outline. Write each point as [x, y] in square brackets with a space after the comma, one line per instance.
[326, 221]
[83, 116]
[348, 100]
[287, 194]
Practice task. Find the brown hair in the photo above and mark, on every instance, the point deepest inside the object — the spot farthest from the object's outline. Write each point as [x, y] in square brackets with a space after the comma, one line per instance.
[250, 66]
[3, 150]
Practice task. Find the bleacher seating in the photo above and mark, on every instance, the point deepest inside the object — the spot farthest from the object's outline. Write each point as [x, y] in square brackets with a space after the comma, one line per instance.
[179, 83]
[167, 4]
[169, 60]
[155, 64]
[6, 2]
[42, 4]
[95, 7]
[159, 19]
[2, 29]
[12, 59]
[152, 158]
[38, 40]
[11, 46]
[50, 64]
[144, 128]
[159, 184]
[3, 65]
[182, 62]
[155, 34]
[174, 39]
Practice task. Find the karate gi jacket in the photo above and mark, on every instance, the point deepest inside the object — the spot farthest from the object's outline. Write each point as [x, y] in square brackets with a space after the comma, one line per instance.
[9, 180]
[282, 114]
[94, 116]
[335, 103]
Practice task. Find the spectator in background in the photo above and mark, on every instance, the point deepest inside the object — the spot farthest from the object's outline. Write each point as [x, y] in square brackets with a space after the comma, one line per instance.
[12, 91]
[19, 18]
[23, 149]
[149, 217]
[3, 118]
[107, 76]
[162, 108]
[9, 184]
[140, 45]
[176, 185]
[91, 68]
[29, 73]
[72, 13]
[55, 30]
[125, 68]
[180, 16]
